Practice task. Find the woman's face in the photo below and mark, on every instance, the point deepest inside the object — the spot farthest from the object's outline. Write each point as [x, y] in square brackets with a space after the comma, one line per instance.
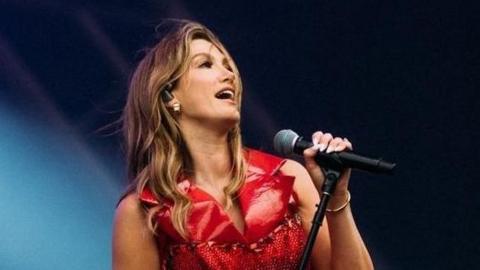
[206, 92]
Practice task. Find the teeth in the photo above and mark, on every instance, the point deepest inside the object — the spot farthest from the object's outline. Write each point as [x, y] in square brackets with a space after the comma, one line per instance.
[225, 94]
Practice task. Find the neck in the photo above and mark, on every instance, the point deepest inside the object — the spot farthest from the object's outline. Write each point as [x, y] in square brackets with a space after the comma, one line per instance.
[210, 154]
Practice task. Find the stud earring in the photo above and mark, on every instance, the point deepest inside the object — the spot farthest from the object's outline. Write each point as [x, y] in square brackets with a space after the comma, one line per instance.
[176, 107]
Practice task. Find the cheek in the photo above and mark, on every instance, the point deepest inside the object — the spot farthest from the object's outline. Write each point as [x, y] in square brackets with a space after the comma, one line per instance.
[197, 89]
[201, 86]
[201, 80]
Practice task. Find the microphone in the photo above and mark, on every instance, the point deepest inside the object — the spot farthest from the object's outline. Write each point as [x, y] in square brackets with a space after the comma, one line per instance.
[287, 142]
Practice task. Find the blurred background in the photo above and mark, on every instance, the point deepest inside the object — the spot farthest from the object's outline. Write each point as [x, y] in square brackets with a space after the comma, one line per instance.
[398, 78]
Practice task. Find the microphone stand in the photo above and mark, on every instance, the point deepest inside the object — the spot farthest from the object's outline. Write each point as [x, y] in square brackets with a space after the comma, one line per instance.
[331, 179]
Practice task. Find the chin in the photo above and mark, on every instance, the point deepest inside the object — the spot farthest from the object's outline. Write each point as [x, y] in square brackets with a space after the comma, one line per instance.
[236, 117]
[231, 122]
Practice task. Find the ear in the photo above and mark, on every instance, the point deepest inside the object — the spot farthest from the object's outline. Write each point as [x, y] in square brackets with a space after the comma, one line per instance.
[168, 98]
[166, 94]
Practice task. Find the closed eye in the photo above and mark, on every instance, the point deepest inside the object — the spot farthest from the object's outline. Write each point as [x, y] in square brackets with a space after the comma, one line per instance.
[206, 64]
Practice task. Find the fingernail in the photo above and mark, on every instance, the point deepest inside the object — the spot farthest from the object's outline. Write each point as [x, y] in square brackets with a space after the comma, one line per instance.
[322, 147]
[338, 148]
[315, 140]
[316, 147]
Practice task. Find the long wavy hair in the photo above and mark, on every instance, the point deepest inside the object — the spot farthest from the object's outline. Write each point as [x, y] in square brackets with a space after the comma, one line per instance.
[156, 151]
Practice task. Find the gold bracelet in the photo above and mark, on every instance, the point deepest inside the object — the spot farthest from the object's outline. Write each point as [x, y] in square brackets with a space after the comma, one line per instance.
[342, 206]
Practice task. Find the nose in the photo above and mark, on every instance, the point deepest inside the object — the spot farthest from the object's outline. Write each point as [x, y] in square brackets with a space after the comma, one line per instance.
[227, 75]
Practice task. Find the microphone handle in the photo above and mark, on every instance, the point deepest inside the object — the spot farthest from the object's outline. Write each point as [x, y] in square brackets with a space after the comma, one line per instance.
[340, 160]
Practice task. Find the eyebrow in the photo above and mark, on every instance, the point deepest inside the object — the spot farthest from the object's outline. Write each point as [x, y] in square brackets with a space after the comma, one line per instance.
[207, 55]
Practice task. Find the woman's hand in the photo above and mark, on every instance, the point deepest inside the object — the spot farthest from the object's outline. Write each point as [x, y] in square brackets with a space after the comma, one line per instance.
[325, 142]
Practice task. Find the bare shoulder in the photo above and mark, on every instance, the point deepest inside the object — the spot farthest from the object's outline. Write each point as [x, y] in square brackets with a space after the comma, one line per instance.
[129, 212]
[303, 186]
[133, 244]
[128, 203]
[294, 168]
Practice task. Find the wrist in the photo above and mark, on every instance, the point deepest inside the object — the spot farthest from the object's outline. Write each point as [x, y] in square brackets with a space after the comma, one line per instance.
[340, 194]
[339, 202]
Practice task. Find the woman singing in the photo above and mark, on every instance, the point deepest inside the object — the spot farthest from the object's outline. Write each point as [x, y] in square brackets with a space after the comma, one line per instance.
[198, 198]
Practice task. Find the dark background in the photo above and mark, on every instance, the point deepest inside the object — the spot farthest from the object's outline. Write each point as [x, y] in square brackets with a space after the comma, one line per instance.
[398, 78]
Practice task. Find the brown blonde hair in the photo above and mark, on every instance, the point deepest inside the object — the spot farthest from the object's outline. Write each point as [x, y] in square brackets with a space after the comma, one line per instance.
[156, 152]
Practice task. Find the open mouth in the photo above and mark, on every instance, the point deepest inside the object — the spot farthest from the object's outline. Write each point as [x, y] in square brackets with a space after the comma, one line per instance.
[225, 94]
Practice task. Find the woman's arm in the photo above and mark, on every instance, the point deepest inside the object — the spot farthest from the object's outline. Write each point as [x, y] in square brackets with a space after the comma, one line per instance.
[307, 199]
[133, 244]
[338, 244]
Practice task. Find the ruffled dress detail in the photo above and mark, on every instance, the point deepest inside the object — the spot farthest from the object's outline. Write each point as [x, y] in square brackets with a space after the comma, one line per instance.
[273, 236]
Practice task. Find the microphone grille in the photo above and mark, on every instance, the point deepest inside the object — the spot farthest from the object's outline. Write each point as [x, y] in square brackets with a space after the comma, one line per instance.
[284, 141]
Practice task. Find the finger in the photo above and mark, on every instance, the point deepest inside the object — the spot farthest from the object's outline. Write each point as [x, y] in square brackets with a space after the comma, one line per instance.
[310, 164]
[314, 170]
[311, 151]
[324, 140]
[342, 145]
[334, 143]
[316, 137]
[348, 143]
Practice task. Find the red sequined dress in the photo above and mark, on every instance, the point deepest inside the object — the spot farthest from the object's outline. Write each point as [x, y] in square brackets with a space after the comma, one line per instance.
[273, 237]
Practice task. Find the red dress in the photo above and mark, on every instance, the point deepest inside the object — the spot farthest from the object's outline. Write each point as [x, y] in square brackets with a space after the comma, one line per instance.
[273, 237]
